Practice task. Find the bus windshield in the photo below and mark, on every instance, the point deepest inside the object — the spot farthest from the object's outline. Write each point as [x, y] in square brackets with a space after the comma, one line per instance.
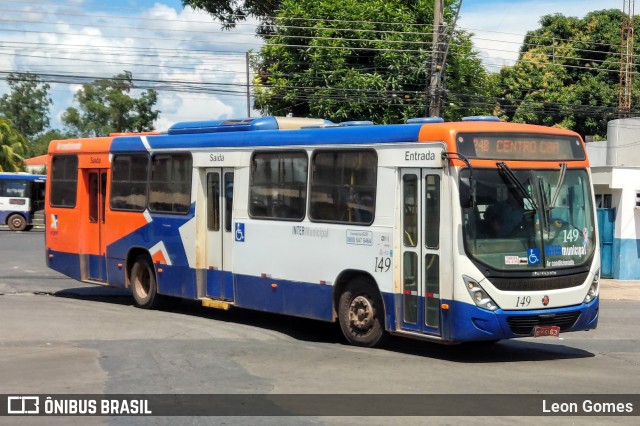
[528, 219]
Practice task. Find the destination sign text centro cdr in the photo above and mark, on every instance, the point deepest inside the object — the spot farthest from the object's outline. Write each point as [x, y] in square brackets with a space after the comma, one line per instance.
[419, 156]
[520, 146]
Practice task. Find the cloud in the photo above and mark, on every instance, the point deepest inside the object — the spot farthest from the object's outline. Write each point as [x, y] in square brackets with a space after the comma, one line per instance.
[198, 69]
[499, 27]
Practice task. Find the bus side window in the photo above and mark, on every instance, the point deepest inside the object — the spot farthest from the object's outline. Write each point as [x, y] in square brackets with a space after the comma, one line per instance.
[278, 185]
[170, 183]
[64, 181]
[129, 182]
[343, 186]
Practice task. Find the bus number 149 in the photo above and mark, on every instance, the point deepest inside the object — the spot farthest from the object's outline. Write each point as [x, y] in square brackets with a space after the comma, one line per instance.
[382, 264]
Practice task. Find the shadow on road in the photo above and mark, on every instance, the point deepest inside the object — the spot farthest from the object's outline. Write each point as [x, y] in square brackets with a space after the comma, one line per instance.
[322, 332]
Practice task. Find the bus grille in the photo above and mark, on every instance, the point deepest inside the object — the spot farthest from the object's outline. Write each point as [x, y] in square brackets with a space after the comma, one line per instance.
[523, 325]
[539, 283]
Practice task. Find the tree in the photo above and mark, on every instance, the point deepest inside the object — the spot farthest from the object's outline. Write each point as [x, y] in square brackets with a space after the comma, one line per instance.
[107, 107]
[567, 74]
[13, 147]
[363, 60]
[27, 106]
[229, 12]
[40, 145]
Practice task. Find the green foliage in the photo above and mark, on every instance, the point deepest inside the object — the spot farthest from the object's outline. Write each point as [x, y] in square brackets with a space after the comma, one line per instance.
[27, 106]
[230, 12]
[40, 145]
[106, 107]
[13, 147]
[567, 74]
[362, 60]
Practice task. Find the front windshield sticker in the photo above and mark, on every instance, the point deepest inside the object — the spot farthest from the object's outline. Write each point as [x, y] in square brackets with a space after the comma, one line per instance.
[534, 256]
[553, 250]
[511, 260]
[561, 262]
[515, 260]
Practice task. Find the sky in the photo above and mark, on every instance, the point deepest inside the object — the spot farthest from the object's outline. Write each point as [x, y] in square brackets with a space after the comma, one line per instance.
[198, 69]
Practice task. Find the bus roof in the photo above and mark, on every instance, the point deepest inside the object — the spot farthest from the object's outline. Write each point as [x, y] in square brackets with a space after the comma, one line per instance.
[339, 135]
[82, 145]
[292, 131]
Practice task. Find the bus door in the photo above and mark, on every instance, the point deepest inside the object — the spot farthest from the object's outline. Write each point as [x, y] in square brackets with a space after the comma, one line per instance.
[219, 236]
[95, 267]
[419, 310]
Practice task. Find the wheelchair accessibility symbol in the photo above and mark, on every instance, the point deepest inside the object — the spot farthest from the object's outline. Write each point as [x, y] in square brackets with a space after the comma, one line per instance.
[533, 257]
[240, 232]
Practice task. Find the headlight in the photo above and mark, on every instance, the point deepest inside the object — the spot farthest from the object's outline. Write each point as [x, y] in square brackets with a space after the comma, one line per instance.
[479, 296]
[594, 288]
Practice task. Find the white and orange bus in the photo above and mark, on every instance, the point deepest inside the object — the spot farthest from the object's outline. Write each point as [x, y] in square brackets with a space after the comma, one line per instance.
[446, 231]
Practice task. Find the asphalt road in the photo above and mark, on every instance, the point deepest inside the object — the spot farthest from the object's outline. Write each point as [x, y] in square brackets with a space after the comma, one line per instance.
[61, 336]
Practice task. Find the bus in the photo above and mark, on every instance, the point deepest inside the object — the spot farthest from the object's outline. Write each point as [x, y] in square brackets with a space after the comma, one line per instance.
[21, 200]
[384, 229]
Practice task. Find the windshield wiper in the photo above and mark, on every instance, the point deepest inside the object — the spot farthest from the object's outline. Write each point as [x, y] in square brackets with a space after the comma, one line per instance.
[563, 170]
[514, 180]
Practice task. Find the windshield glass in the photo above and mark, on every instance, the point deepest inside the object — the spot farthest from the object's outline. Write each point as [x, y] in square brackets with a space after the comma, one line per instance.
[528, 219]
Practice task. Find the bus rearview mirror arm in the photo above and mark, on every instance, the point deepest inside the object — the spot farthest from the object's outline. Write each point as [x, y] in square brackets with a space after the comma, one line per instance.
[468, 191]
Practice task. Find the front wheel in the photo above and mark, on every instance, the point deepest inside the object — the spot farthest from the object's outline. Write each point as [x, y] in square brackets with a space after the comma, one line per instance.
[143, 281]
[361, 314]
[17, 222]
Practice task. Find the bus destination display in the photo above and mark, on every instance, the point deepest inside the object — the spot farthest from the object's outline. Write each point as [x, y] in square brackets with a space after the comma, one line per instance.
[519, 146]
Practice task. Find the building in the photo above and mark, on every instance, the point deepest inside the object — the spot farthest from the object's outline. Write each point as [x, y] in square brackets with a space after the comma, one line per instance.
[36, 165]
[615, 166]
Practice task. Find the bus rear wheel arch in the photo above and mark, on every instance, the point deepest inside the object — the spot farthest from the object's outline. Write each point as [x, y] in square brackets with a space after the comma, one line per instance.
[361, 313]
[144, 284]
[17, 222]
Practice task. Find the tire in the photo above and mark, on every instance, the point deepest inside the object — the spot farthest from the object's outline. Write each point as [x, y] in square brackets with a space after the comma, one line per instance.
[17, 222]
[144, 285]
[361, 314]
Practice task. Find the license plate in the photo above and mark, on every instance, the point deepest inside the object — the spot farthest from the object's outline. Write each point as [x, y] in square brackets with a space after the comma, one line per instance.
[546, 330]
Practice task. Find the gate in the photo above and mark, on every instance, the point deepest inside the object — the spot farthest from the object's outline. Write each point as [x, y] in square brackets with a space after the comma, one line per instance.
[606, 226]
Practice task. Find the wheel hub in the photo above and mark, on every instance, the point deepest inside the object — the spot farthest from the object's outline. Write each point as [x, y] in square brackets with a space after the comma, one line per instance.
[361, 313]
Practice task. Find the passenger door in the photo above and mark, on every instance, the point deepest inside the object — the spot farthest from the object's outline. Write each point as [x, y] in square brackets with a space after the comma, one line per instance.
[420, 226]
[94, 255]
[218, 240]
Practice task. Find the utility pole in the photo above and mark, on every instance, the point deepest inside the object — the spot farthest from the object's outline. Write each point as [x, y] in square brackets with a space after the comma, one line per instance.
[248, 86]
[626, 59]
[435, 78]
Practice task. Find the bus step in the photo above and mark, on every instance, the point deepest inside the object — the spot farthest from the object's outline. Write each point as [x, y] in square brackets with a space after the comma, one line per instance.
[38, 218]
[216, 304]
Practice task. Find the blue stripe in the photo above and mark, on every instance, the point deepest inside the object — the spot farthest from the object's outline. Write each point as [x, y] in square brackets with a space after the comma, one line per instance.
[179, 281]
[9, 176]
[469, 323]
[289, 297]
[312, 137]
[217, 281]
[66, 263]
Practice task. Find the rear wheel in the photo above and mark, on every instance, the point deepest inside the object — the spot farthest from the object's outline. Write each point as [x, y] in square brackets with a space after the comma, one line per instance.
[17, 222]
[144, 284]
[361, 314]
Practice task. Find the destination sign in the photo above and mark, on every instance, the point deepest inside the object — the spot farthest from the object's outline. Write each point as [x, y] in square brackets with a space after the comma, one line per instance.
[519, 146]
